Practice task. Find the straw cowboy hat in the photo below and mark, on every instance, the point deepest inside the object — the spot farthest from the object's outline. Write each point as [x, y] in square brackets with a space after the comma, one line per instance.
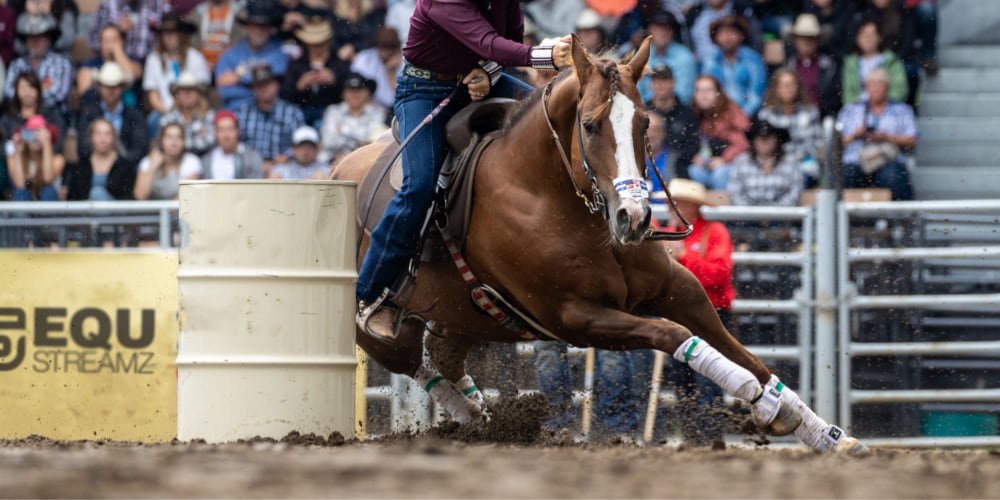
[315, 32]
[187, 81]
[806, 25]
[111, 75]
[589, 20]
[686, 190]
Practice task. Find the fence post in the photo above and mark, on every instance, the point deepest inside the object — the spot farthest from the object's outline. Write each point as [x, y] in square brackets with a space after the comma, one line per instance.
[826, 282]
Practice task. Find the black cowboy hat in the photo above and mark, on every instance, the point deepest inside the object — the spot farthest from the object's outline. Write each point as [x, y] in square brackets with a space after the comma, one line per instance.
[662, 71]
[37, 25]
[173, 21]
[262, 73]
[731, 21]
[356, 81]
[667, 19]
[256, 12]
[764, 128]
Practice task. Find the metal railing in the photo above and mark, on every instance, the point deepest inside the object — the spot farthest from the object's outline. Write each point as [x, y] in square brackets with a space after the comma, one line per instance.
[800, 305]
[87, 217]
[851, 301]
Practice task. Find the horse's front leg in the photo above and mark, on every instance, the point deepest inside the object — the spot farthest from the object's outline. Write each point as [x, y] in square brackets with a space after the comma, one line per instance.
[774, 407]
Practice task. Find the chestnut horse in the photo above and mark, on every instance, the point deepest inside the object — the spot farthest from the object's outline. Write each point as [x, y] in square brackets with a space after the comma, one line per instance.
[592, 281]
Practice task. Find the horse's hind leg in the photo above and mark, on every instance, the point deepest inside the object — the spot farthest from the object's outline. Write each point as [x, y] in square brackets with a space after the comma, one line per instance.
[442, 373]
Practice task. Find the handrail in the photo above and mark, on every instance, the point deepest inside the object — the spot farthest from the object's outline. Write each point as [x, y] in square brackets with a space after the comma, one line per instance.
[63, 207]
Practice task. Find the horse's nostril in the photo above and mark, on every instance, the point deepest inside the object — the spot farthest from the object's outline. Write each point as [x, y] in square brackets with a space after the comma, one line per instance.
[623, 217]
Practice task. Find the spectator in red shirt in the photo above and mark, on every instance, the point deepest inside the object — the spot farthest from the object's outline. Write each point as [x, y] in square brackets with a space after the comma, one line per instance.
[708, 254]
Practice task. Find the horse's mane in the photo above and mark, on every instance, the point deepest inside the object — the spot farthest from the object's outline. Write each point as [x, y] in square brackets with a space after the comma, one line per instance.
[607, 66]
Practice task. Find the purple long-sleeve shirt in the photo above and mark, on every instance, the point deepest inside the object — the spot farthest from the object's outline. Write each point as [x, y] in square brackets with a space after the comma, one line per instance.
[451, 36]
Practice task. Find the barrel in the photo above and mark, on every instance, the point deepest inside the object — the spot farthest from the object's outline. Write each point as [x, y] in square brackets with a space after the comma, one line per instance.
[266, 277]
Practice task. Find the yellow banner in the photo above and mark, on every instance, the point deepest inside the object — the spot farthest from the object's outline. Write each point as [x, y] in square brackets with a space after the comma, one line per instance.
[88, 344]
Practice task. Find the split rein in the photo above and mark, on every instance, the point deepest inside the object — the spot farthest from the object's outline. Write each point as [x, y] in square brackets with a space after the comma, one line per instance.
[596, 201]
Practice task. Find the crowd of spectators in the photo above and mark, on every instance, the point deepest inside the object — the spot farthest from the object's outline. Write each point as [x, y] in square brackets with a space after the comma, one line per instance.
[274, 70]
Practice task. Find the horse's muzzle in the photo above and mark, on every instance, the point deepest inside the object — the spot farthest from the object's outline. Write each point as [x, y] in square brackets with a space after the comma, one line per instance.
[631, 221]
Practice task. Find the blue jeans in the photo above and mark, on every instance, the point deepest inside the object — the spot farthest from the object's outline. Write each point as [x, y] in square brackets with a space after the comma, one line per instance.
[555, 382]
[394, 240]
[711, 179]
[619, 393]
[892, 176]
[46, 193]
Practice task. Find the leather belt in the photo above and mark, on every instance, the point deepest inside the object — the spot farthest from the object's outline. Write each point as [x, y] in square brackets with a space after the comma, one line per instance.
[425, 74]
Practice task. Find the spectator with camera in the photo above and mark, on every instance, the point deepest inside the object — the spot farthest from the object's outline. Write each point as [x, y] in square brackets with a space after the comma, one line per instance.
[767, 175]
[128, 121]
[166, 165]
[315, 80]
[53, 70]
[104, 174]
[33, 165]
[869, 57]
[193, 112]
[230, 158]
[27, 102]
[877, 133]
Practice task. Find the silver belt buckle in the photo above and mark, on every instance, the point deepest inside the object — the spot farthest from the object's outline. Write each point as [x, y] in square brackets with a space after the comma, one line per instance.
[417, 72]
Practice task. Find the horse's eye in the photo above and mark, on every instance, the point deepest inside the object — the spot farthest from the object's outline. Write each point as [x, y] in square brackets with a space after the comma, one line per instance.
[590, 127]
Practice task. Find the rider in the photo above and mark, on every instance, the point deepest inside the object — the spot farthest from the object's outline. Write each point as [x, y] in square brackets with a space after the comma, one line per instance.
[450, 42]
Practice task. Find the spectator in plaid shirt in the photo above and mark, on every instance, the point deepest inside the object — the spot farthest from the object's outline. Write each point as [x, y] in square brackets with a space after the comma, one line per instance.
[267, 122]
[54, 70]
[787, 106]
[767, 175]
[136, 18]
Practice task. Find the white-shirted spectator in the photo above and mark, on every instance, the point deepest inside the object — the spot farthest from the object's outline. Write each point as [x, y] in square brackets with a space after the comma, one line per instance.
[354, 122]
[230, 158]
[304, 163]
[381, 64]
[172, 55]
[167, 164]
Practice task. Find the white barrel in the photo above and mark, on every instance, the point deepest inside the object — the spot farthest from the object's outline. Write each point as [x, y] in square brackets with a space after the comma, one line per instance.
[267, 279]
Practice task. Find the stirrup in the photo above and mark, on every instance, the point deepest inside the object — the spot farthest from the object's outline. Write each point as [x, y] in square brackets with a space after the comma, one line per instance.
[367, 311]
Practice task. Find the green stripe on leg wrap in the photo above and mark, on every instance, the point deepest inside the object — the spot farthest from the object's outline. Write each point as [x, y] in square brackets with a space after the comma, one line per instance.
[434, 381]
[470, 391]
[780, 386]
[690, 349]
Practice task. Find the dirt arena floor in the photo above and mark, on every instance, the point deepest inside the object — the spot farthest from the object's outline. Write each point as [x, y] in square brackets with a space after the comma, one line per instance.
[436, 468]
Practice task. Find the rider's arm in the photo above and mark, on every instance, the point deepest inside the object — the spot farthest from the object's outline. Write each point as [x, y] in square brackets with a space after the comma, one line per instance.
[462, 20]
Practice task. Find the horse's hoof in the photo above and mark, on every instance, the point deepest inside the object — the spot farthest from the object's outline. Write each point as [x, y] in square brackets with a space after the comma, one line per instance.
[785, 422]
[852, 447]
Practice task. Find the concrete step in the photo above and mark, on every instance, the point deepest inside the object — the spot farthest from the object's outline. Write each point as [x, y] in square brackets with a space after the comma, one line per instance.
[964, 80]
[986, 104]
[956, 183]
[959, 154]
[950, 128]
[969, 56]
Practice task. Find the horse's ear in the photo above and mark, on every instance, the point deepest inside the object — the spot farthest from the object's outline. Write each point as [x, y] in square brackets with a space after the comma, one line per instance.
[639, 59]
[581, 59]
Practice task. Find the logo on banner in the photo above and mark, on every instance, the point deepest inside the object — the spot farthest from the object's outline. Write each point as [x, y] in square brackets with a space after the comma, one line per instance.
[88, 341]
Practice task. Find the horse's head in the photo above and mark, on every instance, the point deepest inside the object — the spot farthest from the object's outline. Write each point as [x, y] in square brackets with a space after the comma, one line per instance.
[614, 122]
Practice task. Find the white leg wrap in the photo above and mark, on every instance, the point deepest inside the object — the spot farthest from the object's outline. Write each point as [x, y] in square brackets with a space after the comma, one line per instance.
[460, 408]
[814, 431]
[468, 388]
[707, 361]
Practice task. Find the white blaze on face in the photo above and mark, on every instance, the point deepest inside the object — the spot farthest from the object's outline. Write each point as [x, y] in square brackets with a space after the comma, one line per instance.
[622, 113]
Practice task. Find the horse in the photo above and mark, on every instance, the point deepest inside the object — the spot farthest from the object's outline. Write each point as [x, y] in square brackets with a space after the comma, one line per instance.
[590, 279]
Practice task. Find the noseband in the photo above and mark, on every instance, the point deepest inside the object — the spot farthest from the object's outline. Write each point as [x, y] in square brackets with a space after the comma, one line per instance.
[596, 200]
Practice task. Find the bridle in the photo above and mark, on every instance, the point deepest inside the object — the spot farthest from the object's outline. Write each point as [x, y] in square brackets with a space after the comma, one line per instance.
[596, 201]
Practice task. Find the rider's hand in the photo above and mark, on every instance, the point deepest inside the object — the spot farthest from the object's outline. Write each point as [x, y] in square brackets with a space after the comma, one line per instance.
[562, 52]
[479, 84]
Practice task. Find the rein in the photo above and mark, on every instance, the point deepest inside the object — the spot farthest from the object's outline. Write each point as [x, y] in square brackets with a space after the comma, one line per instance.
[596, 200]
